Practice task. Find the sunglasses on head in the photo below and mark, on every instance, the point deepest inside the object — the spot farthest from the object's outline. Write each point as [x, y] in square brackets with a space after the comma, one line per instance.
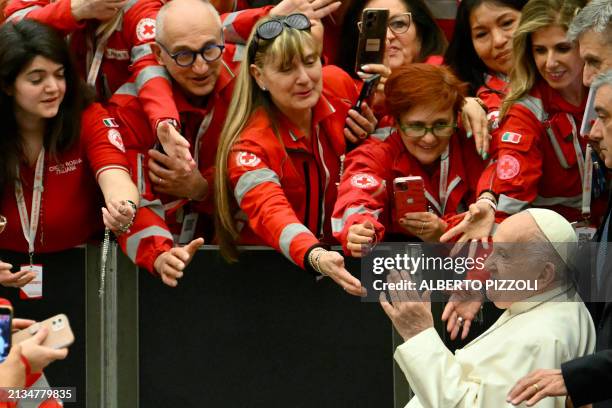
[273, 28]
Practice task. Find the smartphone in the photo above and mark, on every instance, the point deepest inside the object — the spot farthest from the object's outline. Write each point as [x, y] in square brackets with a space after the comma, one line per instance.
[60, 334]
[6, 321]
[372, 37]
[369, 86]
[409, 193]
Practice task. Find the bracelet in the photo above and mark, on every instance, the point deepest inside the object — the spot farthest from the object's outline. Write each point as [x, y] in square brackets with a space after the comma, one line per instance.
[493, 194]
[314, 258]
[482, 104]
[488, 201]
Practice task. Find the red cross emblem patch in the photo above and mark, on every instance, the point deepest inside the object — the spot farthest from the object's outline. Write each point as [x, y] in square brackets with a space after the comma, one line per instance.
[115, 138]
[364, 181]
[507, 167]
[247, 159]
[145, 30]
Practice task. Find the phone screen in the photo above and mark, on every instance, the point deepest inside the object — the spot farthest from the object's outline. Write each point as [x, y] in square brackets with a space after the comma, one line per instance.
[5, 332]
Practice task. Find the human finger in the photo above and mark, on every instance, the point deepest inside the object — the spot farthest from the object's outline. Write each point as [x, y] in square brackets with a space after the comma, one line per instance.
[24, 280]
[20, 323]
[348, 134]
[168, 280]
[467, 323]
[325, 11]
[361, 121]
[448, 311]
[467, 126]
[355, 128]
[193, 246]
[368, 114]
[354, 249]
[387, 307]
[160, 169]
[520, 387]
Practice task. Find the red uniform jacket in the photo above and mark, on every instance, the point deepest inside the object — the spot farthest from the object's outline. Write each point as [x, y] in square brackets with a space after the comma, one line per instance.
[287, 189]
[128, 53]
[366, 190]
[71, 200]
[492, 94]
[152, 235]
[537, 164]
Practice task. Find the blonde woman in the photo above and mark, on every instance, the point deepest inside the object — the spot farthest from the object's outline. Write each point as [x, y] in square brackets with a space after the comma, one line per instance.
[280, 149]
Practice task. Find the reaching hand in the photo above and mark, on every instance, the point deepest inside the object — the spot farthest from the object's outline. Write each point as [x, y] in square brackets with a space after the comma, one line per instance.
[314, 10]
[175, 146]
[358, 236]
[477, 224]
[17, 279]
[537, 385]
[118, 216]
[409, 313]
[332, 265]
[475, 123]
[424, 225]
[95, 9]
[360, 125]
[170, 264]
[460, 311]
[168, 176]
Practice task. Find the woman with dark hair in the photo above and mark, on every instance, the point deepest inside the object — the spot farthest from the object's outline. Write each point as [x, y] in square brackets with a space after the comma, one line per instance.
[424, 100]
[53, 152]
[480, 52]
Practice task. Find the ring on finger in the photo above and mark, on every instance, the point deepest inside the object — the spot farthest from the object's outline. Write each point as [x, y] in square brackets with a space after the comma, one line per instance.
[422, 227]
[536, 386]
[460, 321]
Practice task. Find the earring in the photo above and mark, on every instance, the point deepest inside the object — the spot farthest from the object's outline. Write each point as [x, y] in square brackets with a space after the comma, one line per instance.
[263, 88]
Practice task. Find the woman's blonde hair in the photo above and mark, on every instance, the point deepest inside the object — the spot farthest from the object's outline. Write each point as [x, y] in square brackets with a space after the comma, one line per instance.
[537, 14]
[248, 98]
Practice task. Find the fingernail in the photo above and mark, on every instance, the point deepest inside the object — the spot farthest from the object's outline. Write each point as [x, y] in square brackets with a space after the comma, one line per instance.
[364, 67]
[469, 134]
[485, 156]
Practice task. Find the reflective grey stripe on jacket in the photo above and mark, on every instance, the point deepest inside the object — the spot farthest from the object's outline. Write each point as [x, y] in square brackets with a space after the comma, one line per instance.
[20, 14]
[252, 179]
[511, 205]
[289, 233]
[140, 51]
[133, 242]
[339, 223]
[382, 133]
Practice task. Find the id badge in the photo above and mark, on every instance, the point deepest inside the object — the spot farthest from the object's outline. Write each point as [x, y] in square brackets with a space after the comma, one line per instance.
[584, 231]
[34, 289]
[190, 221]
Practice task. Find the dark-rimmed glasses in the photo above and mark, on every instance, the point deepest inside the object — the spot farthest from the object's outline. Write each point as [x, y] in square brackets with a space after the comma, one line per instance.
[273, 28]
[398, 24]
[419, 131]
[186, 58]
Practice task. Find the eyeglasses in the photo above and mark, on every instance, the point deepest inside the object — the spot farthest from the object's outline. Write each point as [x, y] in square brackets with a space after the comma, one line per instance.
[419, 131]
[210, 53]
[398, 24]
[273, 28]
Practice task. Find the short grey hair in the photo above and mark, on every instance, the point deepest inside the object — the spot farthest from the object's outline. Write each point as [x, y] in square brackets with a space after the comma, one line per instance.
[161, 16]
[604, 78]
[596, 16]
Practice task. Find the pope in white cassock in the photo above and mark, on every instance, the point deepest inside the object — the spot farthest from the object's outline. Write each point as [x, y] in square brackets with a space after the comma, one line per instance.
[538, 329]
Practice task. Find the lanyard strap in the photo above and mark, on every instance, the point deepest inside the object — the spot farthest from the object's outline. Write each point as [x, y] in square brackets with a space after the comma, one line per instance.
[585, 167]
[102, 35]
[29, 225]
[443, 189]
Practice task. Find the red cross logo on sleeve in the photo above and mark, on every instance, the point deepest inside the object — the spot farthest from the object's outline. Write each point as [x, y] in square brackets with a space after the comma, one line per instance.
[507, 167]
[145, 30]
[363, 181]
[247, 159]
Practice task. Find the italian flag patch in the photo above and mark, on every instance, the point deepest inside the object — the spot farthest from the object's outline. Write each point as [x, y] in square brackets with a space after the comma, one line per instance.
[511, 137]
[110, 122]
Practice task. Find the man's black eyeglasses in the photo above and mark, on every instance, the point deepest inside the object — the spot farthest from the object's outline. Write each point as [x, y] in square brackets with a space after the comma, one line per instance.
[273, 28]
[186, 58]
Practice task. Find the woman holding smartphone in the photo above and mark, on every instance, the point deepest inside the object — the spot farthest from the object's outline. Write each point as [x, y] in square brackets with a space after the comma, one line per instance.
[279, 154]
[424, 100]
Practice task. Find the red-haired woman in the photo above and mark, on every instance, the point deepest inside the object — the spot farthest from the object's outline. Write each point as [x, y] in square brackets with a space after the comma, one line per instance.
[424, 101]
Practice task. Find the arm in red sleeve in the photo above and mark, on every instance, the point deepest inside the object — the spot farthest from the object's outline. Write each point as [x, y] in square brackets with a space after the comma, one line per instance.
[362, 194]
[259, 194]
[519, 161]
[237, 26]
[55, 14]
[152, 82]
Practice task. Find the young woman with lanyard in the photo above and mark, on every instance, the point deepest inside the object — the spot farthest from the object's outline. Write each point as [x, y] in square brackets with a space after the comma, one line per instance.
[58, 153]
[278, 158]
[54, 151]
[424, 100]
